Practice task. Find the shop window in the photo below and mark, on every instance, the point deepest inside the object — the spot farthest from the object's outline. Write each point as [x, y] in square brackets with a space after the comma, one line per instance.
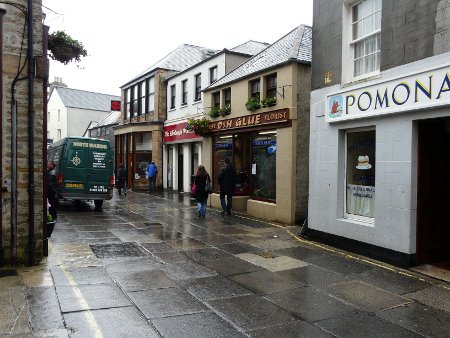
[143, 153]
[264, 156]
[198, 87]
[184, 92]
[212, 74]
[360, 175]
[151, 95]
[172, 97]
[271, 86]
[255, 88]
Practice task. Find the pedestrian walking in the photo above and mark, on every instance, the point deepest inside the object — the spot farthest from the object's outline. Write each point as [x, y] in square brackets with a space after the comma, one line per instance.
[152, 172]
[52, 186]
[227, 182]
[202, 183]
[122, 179]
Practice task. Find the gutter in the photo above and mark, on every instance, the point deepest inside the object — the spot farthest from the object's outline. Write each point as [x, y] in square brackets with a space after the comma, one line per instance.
[2, 254]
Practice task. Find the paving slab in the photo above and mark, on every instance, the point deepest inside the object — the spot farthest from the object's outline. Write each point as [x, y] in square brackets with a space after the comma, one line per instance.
[272, 243]
[13, 310]
[294, 329]
[231, 266]
[188, 270]
[207, 254]
[238, 248]
[250, 312]
[45, 314]
[117, 322]
[143, 280]
[391, 281]
[215, 239]
[36, 276]
[156, 247]
[366, 296]
[72, 254]
[199, 325]
[419, 318]
[299, 252]
[185, 244]
[90, 297]
[172, 257]
[265, 282]
[216, 287]
[338, 264]
[435, 296]
[166, 302]
[132, 264]
[363, 324]
[273, 264]
[312, 275]
[135, 236]
[310, 304]
[230, 230]
[83, 275]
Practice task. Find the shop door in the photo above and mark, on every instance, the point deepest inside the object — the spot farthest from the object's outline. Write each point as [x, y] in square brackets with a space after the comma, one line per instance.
[433, 198]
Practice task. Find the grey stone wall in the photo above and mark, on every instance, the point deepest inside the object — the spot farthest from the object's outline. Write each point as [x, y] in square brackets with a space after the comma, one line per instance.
[411, 30]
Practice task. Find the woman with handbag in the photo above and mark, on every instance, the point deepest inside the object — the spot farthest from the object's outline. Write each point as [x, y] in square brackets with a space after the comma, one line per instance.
[202, 187]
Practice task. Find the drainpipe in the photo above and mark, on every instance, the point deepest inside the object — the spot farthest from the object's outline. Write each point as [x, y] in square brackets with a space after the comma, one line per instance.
[31, 113]
[2, 13]
[44, 142]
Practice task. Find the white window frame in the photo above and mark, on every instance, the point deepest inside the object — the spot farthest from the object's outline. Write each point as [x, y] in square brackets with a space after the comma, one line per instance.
[348, 43]
[370, 221]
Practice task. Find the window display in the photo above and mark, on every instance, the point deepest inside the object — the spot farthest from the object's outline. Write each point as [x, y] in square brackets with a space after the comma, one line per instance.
[264, 150]
[360, 173]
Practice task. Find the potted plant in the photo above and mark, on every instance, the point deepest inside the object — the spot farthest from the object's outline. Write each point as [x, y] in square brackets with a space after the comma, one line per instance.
[253, 103]
[269, 101]
[226, 109]
[64, 48]
[49, 226]
[215, 112]
[199, 127]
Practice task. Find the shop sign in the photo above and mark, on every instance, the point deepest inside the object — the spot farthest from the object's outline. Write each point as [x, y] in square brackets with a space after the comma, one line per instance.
[178, 132]
[424, 90]
[254, 120]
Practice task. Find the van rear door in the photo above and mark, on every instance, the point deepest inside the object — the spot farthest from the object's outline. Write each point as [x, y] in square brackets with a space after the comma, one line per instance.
[76, 163]
[100, 168]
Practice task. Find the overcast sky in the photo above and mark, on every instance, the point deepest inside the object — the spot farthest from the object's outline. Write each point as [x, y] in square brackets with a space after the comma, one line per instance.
[123, 38]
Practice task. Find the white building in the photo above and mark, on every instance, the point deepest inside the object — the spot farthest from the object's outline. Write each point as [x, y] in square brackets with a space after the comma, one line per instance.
[182, 151]
[71, 111]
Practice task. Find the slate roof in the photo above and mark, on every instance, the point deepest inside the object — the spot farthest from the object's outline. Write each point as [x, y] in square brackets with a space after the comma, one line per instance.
[250, 47]
[293, 47]
[75, 98]
[108, 120]
[178, 60]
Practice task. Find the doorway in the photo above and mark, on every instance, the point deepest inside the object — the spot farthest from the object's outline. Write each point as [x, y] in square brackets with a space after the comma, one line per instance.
[180, 168]
[433, 198]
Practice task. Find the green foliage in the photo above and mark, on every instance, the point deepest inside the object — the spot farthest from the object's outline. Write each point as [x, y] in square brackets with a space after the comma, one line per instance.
[49, 218]
[226, 109]
[215, 111]
[269, 101]
[199, 127]
[253, 103]
[64, 48]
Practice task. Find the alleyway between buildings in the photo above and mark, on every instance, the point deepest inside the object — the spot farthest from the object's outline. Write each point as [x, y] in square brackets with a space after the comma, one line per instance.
[147, 266]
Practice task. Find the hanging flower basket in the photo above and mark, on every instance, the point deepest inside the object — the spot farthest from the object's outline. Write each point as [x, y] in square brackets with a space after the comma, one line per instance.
[199, 127]
[64, 48]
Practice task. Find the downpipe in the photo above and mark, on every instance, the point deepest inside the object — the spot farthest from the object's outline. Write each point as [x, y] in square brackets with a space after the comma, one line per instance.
[2, 253]
[14, 182]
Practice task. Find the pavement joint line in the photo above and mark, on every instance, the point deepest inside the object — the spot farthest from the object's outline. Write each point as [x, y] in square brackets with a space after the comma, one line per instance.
[89, 316]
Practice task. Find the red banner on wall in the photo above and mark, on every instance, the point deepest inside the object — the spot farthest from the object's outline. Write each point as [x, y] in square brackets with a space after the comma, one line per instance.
[178, 132]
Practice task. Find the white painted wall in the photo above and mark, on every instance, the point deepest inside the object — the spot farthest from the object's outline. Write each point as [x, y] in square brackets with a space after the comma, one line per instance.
[78, 120]
[54, 104]
[394, 224]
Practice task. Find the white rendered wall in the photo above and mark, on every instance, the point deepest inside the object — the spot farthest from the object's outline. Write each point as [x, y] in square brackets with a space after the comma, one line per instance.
[54, 104]
[78, 120]
[394, 224]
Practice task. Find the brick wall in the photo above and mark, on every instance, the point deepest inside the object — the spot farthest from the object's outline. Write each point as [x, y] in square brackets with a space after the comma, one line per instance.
[13, 27]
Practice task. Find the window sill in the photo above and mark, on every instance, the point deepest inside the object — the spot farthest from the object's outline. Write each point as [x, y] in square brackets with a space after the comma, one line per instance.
[365, 221]
[183, 105]
[197, 101]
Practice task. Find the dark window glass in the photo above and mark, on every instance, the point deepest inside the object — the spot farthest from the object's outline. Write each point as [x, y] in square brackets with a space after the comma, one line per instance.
[135, 99]
[198, 87]
[151, 95]
[172, 96]
[254, 88]
[142, 96]
[184, 92]
[271, 83]
[264, 164]
[127, 103]
[215, 99]
[213, 74]
[227, 96]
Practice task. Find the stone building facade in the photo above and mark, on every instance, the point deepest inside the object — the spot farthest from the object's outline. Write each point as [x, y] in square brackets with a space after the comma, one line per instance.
[380, 128]
[21, 233]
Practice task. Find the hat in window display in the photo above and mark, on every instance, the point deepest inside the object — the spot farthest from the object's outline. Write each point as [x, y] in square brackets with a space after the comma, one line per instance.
[363, 163]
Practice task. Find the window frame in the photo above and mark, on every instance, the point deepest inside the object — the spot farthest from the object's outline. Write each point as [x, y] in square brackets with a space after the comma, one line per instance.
[348, 44]
[251, 84]
[369, 221]
[198, 87]
[172, 96]
[150, 95]
[184, 92]
[213, 74]
[270, 89]
[215, 99]
[225, 91]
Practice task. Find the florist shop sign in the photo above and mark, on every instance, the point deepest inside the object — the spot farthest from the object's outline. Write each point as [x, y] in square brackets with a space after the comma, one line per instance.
[178, 132]
[422, 90]
[254, 120]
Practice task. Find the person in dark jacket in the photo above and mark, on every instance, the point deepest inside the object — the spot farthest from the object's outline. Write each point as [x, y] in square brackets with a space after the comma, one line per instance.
[227, 182]
[201, 193]
[52, 186]
[122, 179]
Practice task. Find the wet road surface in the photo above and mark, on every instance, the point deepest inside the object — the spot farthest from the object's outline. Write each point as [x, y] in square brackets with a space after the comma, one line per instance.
[146, 266]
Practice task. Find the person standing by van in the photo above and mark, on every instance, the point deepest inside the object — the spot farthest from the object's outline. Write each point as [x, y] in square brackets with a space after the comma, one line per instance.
[152, 172]
[122, 179]
[52, 186]
[201, 181]
[227, 182]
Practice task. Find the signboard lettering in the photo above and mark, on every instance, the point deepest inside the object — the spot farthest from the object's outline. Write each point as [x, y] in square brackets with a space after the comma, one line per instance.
[254, 120]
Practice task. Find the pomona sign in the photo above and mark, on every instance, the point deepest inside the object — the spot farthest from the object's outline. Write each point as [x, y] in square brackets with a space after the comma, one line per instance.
[423, 90]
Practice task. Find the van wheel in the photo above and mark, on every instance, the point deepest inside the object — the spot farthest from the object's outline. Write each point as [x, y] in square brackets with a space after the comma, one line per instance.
[98, 204]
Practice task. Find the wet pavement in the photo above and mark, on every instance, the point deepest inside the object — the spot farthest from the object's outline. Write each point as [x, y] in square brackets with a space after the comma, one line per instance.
[146, 266]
